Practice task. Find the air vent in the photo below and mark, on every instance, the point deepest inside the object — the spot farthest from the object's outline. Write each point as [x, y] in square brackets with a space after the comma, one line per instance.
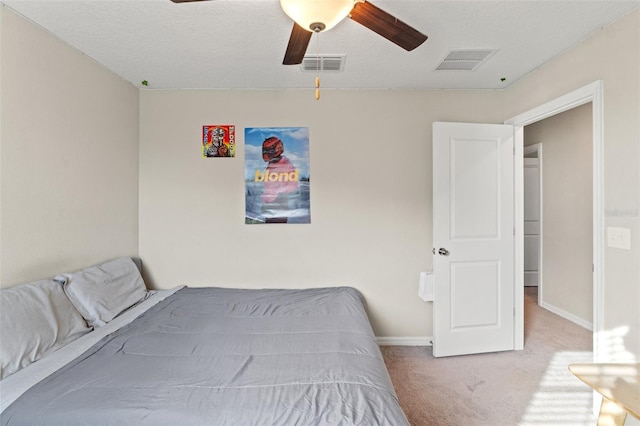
[465, 59]
[323, 63]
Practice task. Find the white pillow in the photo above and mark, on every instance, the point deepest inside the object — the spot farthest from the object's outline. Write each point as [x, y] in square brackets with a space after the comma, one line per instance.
[102, 292]
[36, 319]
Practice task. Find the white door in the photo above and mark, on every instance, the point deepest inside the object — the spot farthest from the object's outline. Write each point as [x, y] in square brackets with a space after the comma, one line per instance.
[473, 234]
[531, 176]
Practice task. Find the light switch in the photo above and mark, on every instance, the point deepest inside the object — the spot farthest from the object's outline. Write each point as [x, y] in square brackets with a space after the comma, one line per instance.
[619, 238]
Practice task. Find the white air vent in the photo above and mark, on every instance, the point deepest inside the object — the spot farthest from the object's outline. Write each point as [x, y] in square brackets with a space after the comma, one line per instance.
[465, 59]
[323, 63]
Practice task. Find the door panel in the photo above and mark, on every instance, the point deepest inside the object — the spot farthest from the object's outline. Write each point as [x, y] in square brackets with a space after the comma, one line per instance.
[473, 204]
[474, 284]
[473, 175]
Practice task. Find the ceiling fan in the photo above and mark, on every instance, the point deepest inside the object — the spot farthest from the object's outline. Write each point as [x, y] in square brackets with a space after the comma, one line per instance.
[311, 16]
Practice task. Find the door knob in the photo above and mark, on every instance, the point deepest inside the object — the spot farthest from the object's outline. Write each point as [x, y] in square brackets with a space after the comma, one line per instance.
[443, 252]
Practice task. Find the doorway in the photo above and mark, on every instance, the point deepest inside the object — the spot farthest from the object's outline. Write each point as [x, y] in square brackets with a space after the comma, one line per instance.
[591, 93]
[561, 251]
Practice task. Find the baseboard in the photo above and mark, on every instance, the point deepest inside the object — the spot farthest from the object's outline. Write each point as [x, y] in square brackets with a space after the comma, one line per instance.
[566, 315]
[405, 341]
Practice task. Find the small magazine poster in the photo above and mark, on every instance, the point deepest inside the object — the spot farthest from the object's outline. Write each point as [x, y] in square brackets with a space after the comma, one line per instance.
[277, 175]
[218, 141]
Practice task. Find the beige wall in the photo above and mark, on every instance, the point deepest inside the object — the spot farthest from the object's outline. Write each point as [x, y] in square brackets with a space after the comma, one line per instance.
[600, 58]
[370, 155]
[567, 185]
[69, 157]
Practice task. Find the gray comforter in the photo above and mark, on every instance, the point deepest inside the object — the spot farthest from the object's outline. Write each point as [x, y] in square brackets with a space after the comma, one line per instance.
[214, 356]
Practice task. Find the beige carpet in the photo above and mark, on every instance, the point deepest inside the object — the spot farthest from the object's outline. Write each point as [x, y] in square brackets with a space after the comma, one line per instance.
[528, 387]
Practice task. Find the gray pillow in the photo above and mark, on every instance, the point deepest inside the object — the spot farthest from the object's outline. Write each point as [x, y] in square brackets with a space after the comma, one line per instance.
[36, 319]
[102, 292]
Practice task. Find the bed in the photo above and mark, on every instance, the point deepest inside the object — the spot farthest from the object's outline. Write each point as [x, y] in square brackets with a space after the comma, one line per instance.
[215, 356]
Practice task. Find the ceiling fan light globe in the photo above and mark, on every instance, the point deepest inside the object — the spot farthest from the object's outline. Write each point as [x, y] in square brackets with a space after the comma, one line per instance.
[308, 12]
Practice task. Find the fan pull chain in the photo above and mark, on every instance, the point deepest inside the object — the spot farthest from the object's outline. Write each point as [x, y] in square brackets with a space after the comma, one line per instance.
[318, 66]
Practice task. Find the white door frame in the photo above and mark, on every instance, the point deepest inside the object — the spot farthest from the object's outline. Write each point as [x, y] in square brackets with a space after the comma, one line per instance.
[589, 93]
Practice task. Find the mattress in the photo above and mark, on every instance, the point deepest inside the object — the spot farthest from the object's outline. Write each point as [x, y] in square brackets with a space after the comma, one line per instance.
[219, 356]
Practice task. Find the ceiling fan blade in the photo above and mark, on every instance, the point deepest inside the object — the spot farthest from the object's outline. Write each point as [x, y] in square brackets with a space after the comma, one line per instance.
[185, 1]
[297, 46]
[388, 26]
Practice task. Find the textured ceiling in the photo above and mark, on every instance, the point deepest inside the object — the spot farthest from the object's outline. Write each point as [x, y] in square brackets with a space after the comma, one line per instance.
[241, 43]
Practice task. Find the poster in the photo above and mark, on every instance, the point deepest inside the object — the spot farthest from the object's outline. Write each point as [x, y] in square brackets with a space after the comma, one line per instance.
[277, 175]
[218, 141]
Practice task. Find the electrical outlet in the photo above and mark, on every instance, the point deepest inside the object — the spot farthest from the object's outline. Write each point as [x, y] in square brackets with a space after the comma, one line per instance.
[619, 238]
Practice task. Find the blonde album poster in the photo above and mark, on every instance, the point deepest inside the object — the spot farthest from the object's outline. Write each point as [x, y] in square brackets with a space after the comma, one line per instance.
[218, 141]
[277, 175]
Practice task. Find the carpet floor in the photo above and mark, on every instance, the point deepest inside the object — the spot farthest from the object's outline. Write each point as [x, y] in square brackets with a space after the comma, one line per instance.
[525, 388]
